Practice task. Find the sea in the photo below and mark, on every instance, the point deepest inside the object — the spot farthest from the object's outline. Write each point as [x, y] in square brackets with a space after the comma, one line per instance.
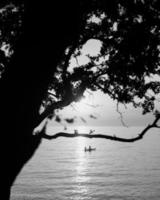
[61, 169]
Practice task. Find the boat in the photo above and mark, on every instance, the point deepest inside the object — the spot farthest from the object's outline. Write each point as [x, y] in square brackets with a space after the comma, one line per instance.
[89, 149]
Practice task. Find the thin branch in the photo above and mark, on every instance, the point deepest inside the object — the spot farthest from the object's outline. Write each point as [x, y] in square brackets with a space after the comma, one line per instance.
[121, 116]
[73, 107]
[125, 106]
[77, 61]
[109, 137]
[99, 86]
[92, 105]
[50, 93]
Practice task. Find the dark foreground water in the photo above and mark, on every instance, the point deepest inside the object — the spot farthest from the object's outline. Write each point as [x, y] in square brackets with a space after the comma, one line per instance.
[61, 170]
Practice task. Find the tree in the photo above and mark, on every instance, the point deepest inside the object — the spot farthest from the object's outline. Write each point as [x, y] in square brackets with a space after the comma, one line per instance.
[37, 43]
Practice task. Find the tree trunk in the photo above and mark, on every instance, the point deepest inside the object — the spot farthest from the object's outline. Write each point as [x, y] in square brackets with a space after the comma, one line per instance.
[24, 86]
[25, 83]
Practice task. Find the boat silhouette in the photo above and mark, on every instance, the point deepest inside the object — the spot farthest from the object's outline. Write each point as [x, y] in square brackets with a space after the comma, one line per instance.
[89, 149]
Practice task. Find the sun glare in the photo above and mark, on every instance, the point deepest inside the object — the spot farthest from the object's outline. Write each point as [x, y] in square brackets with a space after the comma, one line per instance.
[82, 106]
[85, 105]
[81, 141]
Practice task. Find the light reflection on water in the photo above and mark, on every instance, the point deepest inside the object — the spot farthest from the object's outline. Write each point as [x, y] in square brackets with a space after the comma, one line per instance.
[81, 178]
[61, 170]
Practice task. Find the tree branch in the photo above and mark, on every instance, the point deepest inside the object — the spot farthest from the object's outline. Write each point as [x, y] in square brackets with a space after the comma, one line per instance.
[109, 137]
[121, 115]
[67, 100]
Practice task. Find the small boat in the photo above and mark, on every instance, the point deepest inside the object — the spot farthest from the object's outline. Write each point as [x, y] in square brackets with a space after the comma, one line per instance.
[89, 149]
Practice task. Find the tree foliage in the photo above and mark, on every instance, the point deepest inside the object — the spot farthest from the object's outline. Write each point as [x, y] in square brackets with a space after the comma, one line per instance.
[128, 59]
[128, 62]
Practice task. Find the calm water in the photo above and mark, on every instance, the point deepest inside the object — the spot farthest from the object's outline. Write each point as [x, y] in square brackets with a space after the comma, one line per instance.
[61, 170]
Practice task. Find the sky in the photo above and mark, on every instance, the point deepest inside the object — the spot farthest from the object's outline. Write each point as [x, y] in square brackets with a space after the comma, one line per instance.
[98, 109]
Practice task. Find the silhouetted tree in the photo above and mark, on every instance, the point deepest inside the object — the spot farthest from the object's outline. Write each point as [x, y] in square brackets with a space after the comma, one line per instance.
[38, 40]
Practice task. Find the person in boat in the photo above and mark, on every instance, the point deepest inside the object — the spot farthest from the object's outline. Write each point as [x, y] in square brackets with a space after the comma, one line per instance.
[76, 132]
[91, 131]
[90, 148]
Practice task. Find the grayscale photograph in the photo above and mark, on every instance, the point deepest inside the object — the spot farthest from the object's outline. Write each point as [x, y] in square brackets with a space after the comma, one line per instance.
[80, 99]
